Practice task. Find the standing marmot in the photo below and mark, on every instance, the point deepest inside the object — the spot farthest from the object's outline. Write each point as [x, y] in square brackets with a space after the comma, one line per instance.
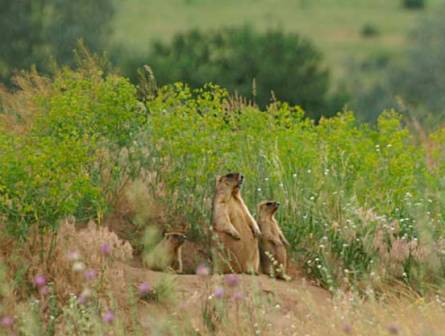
[273, 243]
[236, 241]
[167, 253]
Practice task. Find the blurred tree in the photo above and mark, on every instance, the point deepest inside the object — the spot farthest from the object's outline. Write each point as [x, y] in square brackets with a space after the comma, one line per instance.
[258, 66]
[420, 80]
[415, 84]
[32, 31]
[21, 34]
[414, 4]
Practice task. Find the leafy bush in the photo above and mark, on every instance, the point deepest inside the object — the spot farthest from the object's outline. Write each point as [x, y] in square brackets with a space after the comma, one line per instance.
[66, 162]
[414, 4]
[370, 30]
[259, 66]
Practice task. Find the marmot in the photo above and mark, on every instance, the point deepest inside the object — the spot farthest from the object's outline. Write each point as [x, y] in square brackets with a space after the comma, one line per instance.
[235, 243]
[273, 243]
[167, 253]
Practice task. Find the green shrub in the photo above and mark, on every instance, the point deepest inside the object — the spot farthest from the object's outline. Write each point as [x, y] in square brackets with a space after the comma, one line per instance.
[67, 161]
[258, 66]
[414, 4]
[369, 30]
[340, 182]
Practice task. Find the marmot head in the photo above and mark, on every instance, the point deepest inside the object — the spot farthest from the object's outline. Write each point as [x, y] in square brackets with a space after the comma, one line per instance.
[266, 209]
[175, 238]
[229, 184]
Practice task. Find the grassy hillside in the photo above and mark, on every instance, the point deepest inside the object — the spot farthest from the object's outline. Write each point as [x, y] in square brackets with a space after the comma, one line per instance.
[363, 208]
[334, 25]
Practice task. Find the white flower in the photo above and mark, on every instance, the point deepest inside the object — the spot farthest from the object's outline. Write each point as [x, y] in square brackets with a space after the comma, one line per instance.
[78, 266]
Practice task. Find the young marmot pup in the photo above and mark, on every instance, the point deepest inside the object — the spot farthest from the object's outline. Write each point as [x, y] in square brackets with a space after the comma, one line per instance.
[273, 243]
[167, 253]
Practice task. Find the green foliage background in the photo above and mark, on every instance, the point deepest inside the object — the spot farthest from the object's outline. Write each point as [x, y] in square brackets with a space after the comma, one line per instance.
[89, 134]
[258, 66]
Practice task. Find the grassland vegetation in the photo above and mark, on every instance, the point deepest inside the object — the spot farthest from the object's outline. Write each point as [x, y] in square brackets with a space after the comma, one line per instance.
[361, 206]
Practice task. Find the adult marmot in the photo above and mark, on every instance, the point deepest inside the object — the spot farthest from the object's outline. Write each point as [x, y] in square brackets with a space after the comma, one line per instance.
[273, 243]
[235, 244]
[167, 253]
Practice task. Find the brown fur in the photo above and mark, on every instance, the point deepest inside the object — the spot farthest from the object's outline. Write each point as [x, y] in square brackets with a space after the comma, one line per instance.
[273, 243]
[167, 254]
[235, 244]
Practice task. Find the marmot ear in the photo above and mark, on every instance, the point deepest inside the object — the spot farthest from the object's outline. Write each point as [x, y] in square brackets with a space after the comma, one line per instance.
[219, 178]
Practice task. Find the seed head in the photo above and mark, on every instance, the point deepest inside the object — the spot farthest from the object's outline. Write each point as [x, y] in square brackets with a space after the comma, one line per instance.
[78, 266]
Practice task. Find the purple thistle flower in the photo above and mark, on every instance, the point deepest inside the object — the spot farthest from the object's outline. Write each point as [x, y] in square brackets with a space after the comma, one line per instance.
[90, 274]
[39, 281]
[84, 296]
[232, 280]
[144, 288]
[105, 249]
[347, 328]
[44, 290]
[393, 329]
[6, 321]
[219, 292]
[238, 296]
[82, 299]
[108, 316]
[202, 270]
[73, 256]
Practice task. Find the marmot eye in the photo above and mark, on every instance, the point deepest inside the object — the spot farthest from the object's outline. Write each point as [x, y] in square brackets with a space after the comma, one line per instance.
[269, 203]
[231, 175]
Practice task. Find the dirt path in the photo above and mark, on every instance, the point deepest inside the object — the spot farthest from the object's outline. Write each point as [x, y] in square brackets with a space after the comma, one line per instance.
[258, 304]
